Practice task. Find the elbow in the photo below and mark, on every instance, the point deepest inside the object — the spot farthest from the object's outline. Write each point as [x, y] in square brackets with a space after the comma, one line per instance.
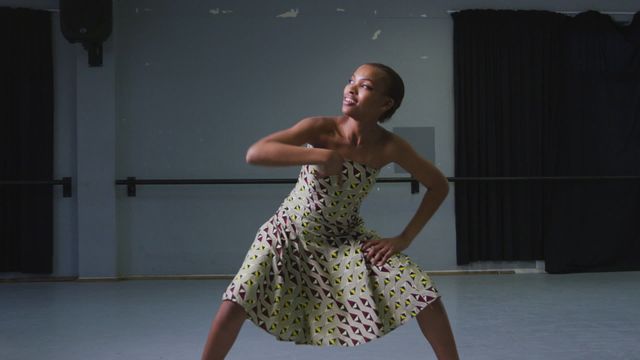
[444, 185]
[252, 155]
[441, 188]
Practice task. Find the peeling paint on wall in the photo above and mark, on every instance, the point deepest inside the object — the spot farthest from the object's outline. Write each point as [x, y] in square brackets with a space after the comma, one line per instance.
[376, 34]
[289, 14]
[217, 11]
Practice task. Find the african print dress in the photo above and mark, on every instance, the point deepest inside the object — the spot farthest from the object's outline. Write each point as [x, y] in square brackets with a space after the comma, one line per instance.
[306, 279]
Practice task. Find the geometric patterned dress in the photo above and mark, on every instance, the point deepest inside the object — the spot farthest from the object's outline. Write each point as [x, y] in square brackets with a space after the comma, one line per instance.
[305, 278]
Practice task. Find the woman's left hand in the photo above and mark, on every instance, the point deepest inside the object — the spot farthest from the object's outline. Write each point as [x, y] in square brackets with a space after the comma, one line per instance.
[379, 251]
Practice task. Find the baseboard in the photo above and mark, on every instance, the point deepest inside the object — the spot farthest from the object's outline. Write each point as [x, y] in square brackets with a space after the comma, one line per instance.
[23, 279]
[19, 279]
[472, 272]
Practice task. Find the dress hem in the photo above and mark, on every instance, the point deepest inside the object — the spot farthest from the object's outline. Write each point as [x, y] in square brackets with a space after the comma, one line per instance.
[337, 344]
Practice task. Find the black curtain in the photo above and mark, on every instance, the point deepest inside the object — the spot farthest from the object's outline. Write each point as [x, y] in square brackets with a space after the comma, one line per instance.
[26, 140]
[542, 94]
[505, 80]
[594, 226]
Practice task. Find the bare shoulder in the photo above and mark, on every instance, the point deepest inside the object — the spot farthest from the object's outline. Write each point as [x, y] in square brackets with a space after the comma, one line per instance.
[383, 152]
[402, 153]
[398, 147]
[323, 128]
[307, 130]
[319, 124]
[319, 121]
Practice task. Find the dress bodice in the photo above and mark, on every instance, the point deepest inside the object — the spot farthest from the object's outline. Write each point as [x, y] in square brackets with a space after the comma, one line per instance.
[325, 205]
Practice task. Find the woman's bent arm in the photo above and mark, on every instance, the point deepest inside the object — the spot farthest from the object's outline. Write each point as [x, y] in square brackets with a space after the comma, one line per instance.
[431, 177]
[284, 148]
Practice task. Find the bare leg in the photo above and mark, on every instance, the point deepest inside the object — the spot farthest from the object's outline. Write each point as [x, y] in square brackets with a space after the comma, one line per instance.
[434, 324]
[224, 330]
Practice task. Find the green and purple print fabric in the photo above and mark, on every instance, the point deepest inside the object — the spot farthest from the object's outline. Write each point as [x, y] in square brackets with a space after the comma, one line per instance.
[305, 278]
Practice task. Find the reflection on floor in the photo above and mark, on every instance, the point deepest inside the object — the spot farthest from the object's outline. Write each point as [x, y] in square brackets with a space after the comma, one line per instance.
[531, 316]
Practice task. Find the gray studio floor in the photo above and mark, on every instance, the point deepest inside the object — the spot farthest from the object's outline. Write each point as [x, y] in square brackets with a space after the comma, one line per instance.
[526, 316]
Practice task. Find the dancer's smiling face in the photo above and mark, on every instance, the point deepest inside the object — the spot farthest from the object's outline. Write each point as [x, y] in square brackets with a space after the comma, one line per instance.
[365, 94]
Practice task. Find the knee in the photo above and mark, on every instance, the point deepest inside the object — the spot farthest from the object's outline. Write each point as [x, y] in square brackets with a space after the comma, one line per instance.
[231, 309]
[232, 306]
[435, 307]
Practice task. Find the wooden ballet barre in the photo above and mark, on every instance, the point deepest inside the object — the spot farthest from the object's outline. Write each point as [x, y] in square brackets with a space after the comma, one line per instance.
[65, 182]
[131, 182]
[543, 178]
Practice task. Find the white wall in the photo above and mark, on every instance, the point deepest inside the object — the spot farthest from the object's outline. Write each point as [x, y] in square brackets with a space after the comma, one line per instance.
[187, 86]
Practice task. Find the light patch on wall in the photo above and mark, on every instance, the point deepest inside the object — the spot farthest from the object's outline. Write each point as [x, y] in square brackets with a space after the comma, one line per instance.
[424, 57]
[375, 12]
[340, 10]
[423, 15]
[289, 14]
[376, 35]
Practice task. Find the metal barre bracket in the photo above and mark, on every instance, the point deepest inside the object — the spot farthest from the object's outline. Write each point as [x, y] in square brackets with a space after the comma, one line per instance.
[66, 183]
[66, 186]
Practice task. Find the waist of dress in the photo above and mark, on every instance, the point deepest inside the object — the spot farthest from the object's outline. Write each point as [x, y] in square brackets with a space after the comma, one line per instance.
[326, 222]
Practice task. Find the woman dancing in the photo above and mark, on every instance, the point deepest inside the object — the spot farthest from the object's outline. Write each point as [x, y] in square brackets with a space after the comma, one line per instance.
[315, 274]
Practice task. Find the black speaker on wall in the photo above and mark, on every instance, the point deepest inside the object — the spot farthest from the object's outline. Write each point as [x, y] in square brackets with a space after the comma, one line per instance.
[88, 22]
